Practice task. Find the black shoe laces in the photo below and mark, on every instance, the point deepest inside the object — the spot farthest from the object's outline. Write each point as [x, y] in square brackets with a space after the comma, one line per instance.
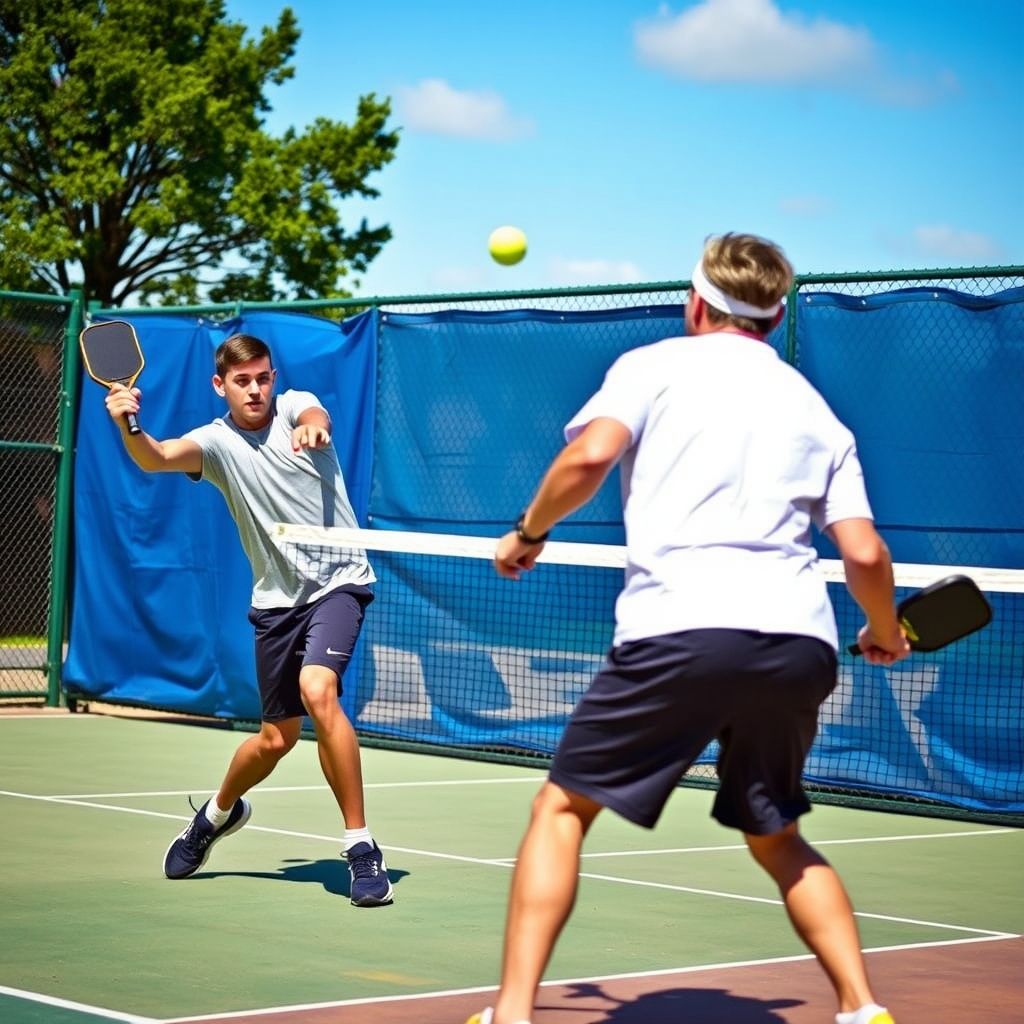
[364, 866]
[194, 839]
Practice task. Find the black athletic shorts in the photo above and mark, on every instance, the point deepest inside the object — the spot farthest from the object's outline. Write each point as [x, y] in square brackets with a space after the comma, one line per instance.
[656, 703]
[323, 632]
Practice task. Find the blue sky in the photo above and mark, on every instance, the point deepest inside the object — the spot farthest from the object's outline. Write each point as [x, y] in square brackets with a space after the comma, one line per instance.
[868, 135]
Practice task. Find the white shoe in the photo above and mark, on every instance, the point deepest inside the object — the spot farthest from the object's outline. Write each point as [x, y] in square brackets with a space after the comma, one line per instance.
[486, 1016]
[872, 1013]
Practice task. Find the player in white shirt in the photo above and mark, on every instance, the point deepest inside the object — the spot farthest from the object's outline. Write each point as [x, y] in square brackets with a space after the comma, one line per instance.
[724, 629]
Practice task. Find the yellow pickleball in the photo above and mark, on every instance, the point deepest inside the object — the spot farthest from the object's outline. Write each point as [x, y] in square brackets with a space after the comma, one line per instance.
[507, 245]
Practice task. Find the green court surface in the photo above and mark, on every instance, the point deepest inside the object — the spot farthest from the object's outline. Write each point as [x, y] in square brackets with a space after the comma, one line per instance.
[91, 930]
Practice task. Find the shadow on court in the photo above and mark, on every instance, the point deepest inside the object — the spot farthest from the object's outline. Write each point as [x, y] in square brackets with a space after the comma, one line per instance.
[331, 873]
[673, 1005]
[949, 983]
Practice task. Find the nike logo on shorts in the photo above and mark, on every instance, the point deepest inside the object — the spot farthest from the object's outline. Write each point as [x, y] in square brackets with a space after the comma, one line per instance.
[329, 651]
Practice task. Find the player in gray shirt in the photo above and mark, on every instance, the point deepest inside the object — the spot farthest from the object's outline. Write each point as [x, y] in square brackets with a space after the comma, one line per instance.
[273, 460]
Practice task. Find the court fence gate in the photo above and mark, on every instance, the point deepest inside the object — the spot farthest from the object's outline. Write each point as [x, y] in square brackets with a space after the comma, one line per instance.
[39, 360]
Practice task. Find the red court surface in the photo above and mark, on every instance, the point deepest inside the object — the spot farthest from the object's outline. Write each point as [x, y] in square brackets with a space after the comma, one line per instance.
[977, 982]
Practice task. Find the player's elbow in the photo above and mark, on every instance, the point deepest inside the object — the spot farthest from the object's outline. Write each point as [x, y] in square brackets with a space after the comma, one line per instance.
[867, 557]
[148, 462]
[592, 459]
[600, 445]
[859, 544]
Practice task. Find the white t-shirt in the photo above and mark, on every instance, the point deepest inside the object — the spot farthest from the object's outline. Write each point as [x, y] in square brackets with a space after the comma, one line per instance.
[734, 456]
[264, 482]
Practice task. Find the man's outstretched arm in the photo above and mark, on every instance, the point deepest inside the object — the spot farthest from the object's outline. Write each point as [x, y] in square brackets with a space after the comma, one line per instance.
[173, 455]
[572, 479]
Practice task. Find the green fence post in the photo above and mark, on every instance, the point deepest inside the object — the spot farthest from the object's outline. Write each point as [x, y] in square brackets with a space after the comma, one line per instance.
[62, 506]
[791, 302]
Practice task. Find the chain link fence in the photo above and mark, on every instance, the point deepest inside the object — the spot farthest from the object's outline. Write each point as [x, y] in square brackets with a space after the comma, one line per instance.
[35, 424]
[39, 357]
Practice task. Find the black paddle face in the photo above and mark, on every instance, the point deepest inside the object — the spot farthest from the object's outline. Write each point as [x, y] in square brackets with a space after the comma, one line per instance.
[943, 612]
[940, 613]
[112, 355]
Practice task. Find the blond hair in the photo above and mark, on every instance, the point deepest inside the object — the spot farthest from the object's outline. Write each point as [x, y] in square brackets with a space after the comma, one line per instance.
[748, 268]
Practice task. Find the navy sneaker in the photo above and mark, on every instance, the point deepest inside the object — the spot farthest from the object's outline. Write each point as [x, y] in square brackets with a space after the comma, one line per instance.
[188, 853]
[371, 886]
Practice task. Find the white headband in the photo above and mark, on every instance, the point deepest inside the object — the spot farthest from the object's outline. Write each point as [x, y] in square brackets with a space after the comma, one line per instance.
[714, 296]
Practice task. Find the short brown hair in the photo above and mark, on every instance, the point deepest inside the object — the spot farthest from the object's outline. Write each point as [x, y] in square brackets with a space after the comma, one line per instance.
[238, 349]
[748, 268]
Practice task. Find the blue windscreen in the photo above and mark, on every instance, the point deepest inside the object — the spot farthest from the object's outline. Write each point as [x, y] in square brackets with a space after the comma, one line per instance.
[931, 383]
[471, 407]
[445, 422]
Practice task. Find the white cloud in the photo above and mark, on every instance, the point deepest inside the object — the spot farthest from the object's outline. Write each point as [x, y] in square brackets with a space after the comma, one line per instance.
[945, 242]
[756, 41]
[436, 108]
[751, 40]
[584, 272]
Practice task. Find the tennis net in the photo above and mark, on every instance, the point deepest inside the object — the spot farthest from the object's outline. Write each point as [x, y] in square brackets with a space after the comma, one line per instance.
[455, 658]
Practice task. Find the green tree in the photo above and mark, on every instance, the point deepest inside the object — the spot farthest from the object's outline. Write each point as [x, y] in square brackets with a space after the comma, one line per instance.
[134, 159]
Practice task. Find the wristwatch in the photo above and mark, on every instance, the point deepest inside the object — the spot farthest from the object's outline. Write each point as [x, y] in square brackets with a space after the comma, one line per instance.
[524, 536]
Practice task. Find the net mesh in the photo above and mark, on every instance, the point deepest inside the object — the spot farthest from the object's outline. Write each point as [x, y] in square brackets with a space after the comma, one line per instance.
[452, 656]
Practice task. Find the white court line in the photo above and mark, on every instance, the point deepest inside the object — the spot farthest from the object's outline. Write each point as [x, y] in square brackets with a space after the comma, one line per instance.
[370, 1000]
[507, 863]
[981, 935]
[68, 802]
[67, 1004]
[779, 903]
[595, 979]
[85, 801]
[813, 842]
[82, 800]
[53, 716]
[290, 789]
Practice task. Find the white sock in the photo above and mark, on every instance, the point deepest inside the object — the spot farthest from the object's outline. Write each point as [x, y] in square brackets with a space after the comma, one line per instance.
[487, 1017]
[861, 1016]
[356, 835]
[214, 814]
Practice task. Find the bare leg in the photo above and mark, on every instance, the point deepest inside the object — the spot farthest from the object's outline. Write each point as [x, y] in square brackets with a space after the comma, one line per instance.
[542, 896]
[336, 742]
[256, 758]
[819, 908]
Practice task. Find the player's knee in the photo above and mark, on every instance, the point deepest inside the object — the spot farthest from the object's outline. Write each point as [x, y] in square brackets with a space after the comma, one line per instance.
[549, 800]
[767, 849]
[278, 738]
[784, 855]
[318, 687]
[553, 801]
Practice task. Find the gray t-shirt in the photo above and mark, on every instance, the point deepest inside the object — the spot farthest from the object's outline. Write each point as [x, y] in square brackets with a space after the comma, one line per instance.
[264, 482]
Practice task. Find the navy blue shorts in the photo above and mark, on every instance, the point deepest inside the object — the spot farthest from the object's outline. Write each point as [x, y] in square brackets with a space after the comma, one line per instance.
[656, 704]
[323, 632]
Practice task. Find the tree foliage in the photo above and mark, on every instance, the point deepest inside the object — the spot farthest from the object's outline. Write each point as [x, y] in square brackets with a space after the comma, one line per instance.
[134, 158]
